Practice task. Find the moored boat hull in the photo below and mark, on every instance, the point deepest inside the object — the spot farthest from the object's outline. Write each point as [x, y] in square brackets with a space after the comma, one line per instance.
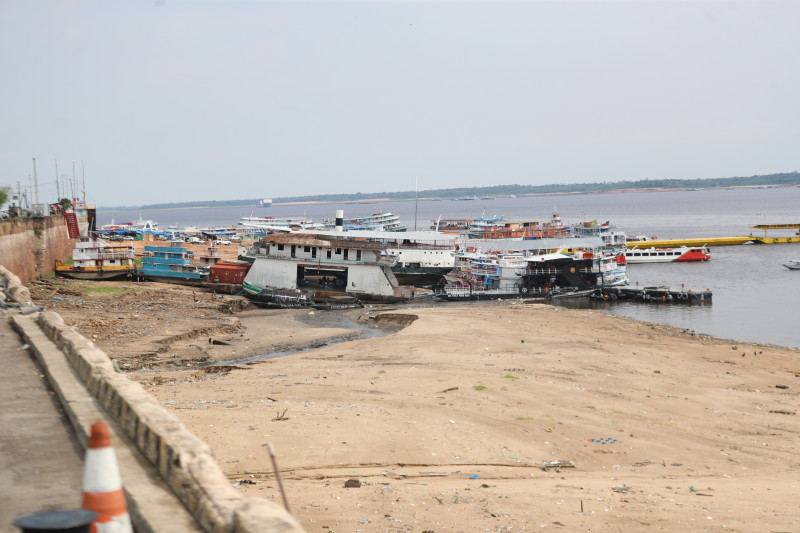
[683, 254]
[95, 274]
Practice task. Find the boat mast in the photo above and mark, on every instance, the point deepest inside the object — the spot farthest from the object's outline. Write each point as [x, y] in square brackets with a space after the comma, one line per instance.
[416, 201]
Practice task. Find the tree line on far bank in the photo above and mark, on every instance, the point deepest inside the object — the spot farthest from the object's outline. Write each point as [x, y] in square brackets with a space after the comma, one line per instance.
[780, 179]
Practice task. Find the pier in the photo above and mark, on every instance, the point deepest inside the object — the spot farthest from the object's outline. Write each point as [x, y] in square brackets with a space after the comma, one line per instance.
[725, 241]
[651, 294]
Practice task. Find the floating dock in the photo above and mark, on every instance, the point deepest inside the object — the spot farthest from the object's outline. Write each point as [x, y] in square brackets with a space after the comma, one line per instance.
[725, 241]
[651, 294]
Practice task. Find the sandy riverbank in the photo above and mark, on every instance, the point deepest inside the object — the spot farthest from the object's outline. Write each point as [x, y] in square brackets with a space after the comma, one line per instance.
[447, 424]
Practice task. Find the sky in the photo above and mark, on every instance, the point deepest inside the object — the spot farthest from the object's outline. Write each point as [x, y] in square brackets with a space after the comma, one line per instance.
[169, 101]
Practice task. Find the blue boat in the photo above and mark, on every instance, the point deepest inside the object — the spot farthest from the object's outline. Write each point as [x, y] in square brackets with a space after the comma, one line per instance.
[172, 265]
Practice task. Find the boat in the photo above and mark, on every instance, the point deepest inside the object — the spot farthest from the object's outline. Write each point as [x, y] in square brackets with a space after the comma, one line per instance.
[95, 259]
[145, 226]
[266, 202]
[794, 264]
[376, 221]
[325, 265]
[420, 264]
[281, 299]
[417, 258]
[228, 272]
[667, 255]
[329, 303]
[612, 237]
[480, 276]
[267, 223]
[171, 264]
[656, 294]
[498, 228]
[451, 224]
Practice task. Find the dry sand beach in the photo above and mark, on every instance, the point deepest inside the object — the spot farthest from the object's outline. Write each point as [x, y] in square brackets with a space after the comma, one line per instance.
[450, 422]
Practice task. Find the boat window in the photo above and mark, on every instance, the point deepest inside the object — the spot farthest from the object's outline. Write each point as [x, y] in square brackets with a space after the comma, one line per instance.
[346, 253]
[314, 251]
[328, 254]
[358, 255]
[306, 249]
[280, 247]
[338, 251]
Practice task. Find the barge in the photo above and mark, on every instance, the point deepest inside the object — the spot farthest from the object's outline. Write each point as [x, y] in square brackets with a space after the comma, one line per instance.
[658, 294]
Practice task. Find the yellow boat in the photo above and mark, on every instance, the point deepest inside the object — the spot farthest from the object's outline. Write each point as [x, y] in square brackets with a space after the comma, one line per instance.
[722, 241]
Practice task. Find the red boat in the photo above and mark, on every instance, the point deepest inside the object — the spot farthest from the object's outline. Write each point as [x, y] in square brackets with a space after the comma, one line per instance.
[668, 255]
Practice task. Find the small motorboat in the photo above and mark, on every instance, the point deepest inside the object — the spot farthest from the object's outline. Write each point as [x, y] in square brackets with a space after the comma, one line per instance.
[793, 264]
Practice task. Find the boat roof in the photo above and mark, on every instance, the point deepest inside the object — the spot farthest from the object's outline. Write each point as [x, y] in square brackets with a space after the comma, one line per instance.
[486, 245]
[329, 240]
[387, 236]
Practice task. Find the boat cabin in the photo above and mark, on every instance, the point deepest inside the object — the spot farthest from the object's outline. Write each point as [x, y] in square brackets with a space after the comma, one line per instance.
[320, 262]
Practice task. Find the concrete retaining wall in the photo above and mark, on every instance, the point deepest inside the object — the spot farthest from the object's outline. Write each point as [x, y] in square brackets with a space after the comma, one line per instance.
[184, 462]
[29, 247]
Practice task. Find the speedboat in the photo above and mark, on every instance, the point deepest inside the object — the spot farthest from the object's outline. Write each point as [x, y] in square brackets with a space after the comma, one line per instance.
[794, 264]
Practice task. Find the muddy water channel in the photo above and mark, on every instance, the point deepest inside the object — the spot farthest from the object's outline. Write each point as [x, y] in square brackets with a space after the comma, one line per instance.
[361, 328]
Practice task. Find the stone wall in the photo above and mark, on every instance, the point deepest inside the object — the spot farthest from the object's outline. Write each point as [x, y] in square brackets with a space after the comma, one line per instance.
[29, 247]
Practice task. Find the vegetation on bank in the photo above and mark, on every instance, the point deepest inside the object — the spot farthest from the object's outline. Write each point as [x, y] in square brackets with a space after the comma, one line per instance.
[781, 179]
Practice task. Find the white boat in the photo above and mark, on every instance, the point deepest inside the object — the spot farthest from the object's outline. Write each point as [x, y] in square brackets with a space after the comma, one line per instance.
[611, 236]
[486, 276]
[95, 259]
[324, 265]
[252, 222]
[794, 264]
[375, 221]
[668, 255]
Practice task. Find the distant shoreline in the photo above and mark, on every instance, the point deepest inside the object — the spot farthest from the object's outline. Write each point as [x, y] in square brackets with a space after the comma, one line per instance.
[434, 199]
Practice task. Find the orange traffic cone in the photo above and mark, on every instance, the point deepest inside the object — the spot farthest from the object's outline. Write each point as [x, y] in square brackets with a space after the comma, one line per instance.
[102, 486]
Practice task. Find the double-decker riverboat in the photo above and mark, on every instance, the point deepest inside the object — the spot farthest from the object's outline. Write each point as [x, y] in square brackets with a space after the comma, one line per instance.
[667, 255]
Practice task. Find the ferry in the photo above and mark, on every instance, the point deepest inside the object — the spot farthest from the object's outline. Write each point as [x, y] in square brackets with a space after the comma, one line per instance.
[499, 228]
[376, 221]
[417, 258]
[95, 259]
[479, 276]
[252, 222]
[451, 224]
[667, 255]
[611, 236]
[171, 264]
[324, 265]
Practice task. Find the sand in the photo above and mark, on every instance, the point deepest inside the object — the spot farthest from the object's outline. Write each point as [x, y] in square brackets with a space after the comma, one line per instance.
[449, 424]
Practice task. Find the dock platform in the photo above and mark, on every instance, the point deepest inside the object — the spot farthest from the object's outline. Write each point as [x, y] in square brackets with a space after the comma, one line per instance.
[725, 241]
[651, 294]
[712, 241]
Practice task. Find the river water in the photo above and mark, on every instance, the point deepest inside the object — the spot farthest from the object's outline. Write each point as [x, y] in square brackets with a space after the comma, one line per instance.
[756, 299]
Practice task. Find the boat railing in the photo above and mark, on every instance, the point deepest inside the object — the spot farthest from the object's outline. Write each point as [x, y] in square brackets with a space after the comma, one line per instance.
[104, 255]
[316, 261]
[483, 271]
[458, 290]
[421, 246]
[542, 271]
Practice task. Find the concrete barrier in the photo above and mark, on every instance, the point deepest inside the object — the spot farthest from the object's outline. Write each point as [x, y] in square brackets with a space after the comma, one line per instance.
[14, 286]
[184, 462]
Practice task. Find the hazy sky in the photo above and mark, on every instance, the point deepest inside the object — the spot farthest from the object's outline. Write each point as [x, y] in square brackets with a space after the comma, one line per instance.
[174, 101]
